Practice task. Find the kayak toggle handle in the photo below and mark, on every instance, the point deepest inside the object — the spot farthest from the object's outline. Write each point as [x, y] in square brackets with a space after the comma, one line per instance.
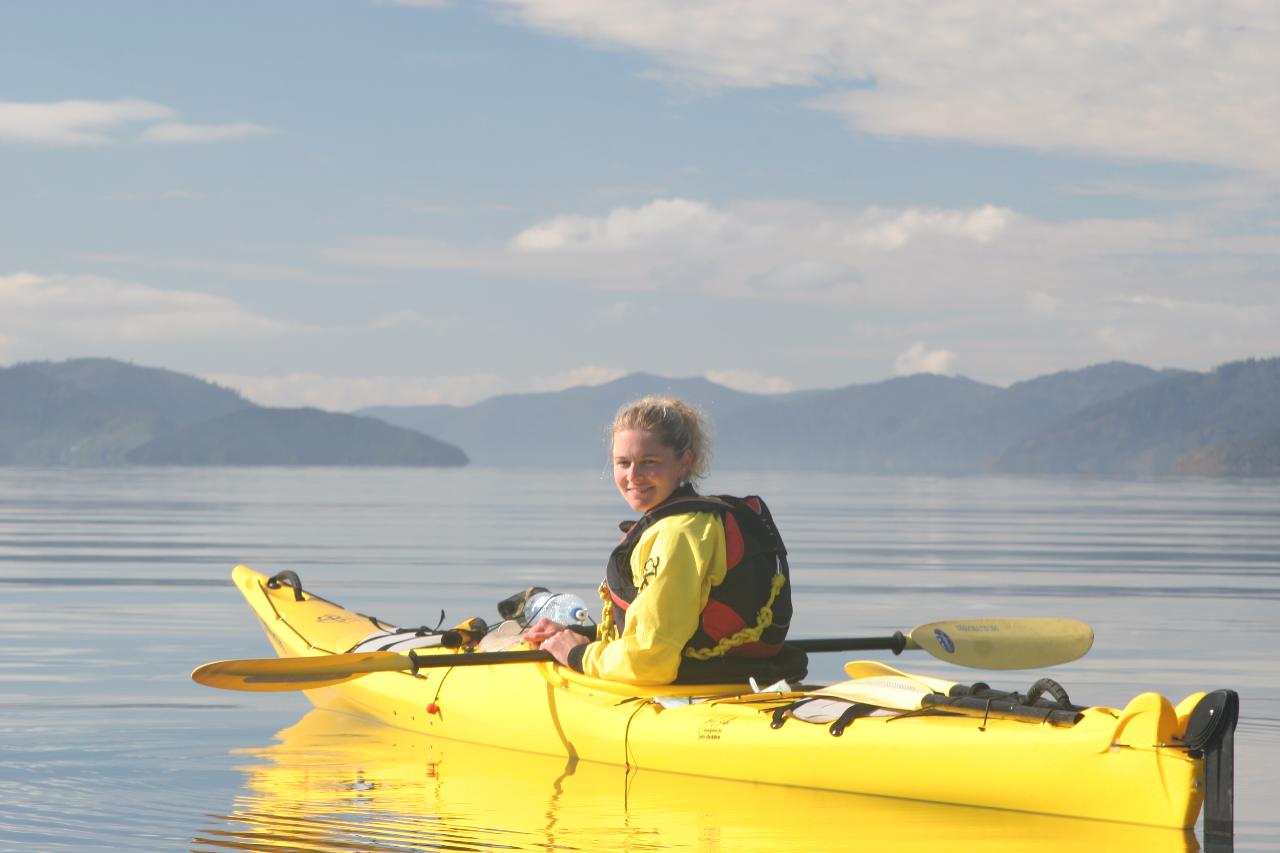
[1053, 688]
[289, 579]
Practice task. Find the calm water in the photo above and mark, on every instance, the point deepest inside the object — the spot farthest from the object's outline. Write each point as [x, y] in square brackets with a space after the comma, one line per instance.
[114, 584]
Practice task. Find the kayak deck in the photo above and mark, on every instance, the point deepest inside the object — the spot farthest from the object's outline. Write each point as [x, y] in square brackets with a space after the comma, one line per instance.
[1127, 765]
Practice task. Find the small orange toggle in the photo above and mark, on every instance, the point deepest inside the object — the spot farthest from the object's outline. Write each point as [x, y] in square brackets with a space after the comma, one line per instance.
[433, 708]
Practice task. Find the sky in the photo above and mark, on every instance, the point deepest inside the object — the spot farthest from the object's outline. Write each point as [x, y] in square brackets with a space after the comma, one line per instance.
[344, 203]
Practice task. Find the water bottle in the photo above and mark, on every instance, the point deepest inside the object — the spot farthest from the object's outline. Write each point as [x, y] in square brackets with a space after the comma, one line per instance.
[563, 607]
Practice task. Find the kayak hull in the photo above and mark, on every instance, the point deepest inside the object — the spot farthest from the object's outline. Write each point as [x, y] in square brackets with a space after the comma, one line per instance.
[1124, 765]
[332, 780]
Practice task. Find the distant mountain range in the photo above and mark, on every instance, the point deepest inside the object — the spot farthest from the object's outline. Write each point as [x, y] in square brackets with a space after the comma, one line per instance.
[102, 412]
[1230, 415]
[1109, 419]
[1113, 419]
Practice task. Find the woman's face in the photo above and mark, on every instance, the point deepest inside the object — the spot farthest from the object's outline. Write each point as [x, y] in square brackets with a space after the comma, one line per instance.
[646, 471]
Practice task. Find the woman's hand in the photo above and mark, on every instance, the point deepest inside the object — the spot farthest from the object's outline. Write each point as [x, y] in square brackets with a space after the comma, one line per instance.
[553, 637]
[541, 631]
[560, 643]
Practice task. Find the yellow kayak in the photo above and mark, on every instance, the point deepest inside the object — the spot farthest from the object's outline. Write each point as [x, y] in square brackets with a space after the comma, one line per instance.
[1141, 764]
[334, 781]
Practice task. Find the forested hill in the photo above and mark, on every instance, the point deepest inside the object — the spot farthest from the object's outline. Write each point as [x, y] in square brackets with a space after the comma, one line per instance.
[1163, 428]
[921, 424]
[88, 412]
[93, 411]
[1113, 419]
[553, 429]
[261, 436]
[1256, 457]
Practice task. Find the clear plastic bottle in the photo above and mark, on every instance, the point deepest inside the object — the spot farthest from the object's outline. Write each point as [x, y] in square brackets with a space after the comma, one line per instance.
[563, 607]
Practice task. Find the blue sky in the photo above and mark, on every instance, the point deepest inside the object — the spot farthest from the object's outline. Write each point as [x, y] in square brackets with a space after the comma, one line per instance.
[349, 202]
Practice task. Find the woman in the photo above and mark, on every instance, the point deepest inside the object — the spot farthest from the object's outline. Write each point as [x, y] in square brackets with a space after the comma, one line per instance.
[696, 582]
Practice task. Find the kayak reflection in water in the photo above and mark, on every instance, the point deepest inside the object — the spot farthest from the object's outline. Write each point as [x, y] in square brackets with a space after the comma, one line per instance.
[698, 588]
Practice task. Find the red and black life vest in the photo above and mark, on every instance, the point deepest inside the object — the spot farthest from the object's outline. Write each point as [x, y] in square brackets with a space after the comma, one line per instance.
[754, 556]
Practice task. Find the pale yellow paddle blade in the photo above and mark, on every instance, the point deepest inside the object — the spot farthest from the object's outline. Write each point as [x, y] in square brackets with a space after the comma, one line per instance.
[270, 674]
[875, 669]
[896, 694]
[873, 683]
[1004, 643]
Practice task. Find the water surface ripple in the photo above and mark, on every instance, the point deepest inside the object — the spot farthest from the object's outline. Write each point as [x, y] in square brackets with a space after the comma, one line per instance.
[114, 584]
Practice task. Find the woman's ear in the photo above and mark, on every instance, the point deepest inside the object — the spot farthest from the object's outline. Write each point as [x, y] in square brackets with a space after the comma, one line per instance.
[686, 465]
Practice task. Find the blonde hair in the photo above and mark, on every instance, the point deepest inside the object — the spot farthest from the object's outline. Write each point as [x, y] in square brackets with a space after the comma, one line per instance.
[674, 424]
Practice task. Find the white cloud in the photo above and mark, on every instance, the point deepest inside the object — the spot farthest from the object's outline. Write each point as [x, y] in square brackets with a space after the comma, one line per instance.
[1181, 327]
[1161, 302]
[576, 377]
[1189, 81]
[73, 122]
[764, 245]
[621, 311]
[1041, 303]
[809, 276]
[349, 393]
[79, 122]
[1210, 310]
[252, 272]
[893, 231]
[179, 132]
[992, 280]
[97, 309]
[918, 359]
[696, 226]
[755, 250]
[749, 380]
[661, 222]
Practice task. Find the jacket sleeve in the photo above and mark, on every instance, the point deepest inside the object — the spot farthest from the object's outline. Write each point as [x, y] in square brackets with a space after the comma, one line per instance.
[674, 565]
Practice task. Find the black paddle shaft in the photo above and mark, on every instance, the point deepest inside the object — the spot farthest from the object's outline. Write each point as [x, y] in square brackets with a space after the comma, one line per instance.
[479, 659]
[895, 644]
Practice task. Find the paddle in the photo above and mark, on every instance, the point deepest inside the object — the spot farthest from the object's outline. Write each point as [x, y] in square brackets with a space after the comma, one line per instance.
[981, 643]
[263, 674]
[1003, 643]
[874, 683]
[886, 687]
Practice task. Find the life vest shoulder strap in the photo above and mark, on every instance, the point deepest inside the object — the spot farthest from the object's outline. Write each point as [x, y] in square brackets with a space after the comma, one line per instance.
[746, 515]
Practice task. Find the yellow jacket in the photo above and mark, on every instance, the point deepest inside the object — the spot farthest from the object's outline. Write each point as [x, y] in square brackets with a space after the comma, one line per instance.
[674, 566]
